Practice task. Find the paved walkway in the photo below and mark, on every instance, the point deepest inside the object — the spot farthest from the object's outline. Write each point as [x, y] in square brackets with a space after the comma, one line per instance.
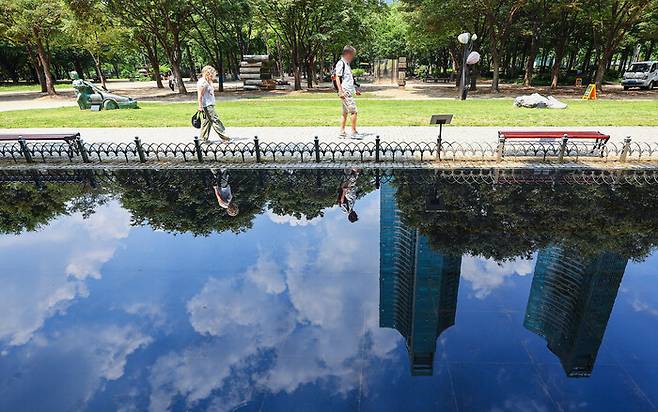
[326, 134]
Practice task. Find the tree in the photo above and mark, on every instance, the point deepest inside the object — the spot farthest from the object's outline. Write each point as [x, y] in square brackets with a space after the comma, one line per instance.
[612, 20]
[223, 29]
[34, 24]
[167, 21]
[90, 27]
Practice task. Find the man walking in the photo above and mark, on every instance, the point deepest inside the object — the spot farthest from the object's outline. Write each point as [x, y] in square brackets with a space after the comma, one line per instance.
[206, 100]
[346, 87]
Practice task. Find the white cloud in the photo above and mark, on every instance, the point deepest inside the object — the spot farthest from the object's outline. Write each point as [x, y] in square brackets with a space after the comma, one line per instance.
[72, 250]
[485, 275]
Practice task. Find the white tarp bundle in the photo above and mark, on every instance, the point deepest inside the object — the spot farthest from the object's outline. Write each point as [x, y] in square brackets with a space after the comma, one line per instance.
[537, 100]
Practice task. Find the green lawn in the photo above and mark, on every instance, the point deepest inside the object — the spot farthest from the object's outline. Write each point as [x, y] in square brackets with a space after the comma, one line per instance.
[483, 112]
[26, 87]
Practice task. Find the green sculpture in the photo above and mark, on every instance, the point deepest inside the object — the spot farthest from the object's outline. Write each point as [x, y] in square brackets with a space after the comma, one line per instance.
[93, 97]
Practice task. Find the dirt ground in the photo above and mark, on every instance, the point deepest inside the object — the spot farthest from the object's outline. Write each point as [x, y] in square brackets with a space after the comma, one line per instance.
[147, 91]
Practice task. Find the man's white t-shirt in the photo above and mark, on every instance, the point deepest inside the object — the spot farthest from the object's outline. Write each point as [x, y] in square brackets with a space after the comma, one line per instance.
[208, 96]
[344, 70]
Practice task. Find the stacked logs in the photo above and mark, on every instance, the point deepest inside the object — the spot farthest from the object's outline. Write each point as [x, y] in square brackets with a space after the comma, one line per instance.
[255, 72]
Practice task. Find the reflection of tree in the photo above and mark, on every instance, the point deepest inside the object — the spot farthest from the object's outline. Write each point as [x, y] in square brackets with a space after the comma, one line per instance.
[503, 221]
[308, 192]
[184, 201]
[27, 206]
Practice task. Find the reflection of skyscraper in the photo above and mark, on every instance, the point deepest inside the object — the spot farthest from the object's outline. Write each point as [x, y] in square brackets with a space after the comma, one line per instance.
[418, 286]
[570, 303]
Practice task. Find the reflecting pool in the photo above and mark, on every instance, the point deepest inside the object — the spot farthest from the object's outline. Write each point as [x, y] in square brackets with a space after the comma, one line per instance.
[327, 290]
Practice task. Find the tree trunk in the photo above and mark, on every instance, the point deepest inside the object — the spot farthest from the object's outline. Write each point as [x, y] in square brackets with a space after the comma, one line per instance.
[99, 71]
[155, 65]
[530, 65]
[586, 60]
[77, 64]
[36, 64]
[649, 51]
[555, 71]
[600, 68]
[45, 66]
[220, 68]
[309, 72]
[296, 69]
[495, 67]
[190, 62]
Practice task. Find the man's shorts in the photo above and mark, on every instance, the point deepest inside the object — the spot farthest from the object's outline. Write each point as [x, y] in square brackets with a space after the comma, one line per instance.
[349, 104]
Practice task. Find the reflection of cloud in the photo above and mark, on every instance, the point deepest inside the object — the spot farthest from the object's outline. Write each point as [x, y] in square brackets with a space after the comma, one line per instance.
[266, 274]
[291, 220]
[92, 353]
[314, 323]
[641, 306]
[485, 275]
[71, 250]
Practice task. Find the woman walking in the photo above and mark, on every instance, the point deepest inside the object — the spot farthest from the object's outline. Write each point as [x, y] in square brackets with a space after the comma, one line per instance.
[206, 99]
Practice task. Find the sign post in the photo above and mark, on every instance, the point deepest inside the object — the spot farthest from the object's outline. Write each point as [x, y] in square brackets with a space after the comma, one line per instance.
[590, 92]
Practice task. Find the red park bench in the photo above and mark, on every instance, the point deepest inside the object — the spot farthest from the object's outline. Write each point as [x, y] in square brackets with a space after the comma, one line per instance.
[599, 138]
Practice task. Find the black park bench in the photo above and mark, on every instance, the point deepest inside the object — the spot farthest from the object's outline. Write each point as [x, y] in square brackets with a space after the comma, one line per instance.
[23, 138]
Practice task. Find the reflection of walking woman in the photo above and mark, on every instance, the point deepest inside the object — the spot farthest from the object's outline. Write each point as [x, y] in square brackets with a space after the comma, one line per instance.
[206, 99]
[223, 191]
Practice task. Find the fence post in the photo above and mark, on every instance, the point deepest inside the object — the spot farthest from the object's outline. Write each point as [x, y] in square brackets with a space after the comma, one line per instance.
[439, 142]
[25, 149]
[500, 149]
[563, 148]
[316, 143]
[140, 150]
[82, 149]
[377, 147]
[197, 148]
[626, 150]
[257, 149]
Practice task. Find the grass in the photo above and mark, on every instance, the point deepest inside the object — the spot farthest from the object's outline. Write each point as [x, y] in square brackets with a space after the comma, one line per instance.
[27, 87]
[489, 112]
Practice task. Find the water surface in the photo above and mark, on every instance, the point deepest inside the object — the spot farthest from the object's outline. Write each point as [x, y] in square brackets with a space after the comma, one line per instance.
[135, 290]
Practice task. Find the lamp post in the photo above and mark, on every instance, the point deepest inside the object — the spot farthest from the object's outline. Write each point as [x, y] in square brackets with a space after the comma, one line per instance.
[467, 40]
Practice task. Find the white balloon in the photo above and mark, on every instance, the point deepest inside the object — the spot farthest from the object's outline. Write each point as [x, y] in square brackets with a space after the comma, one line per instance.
[473, 58]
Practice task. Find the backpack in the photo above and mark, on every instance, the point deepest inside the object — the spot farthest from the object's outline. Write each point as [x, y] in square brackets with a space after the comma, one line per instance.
[333, 75]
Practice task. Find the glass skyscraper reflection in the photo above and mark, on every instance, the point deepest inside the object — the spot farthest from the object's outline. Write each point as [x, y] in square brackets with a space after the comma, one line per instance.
[570, 303]
[418, 286]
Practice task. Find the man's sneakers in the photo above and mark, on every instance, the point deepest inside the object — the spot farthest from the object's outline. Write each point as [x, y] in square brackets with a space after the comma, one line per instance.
[354, 136]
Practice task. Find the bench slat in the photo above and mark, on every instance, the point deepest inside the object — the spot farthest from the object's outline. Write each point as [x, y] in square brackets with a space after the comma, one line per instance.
[36, 136]
[513, 134]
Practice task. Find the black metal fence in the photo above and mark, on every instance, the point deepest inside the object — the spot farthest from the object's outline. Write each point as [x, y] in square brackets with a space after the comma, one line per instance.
[317, 151]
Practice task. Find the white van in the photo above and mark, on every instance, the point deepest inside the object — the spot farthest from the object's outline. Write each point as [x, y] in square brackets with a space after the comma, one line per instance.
[641, 74]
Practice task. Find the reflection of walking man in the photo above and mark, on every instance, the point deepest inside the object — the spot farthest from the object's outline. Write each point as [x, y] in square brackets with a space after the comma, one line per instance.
[346, 87]
[206, 99]
[223, 192]
[347, 194]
